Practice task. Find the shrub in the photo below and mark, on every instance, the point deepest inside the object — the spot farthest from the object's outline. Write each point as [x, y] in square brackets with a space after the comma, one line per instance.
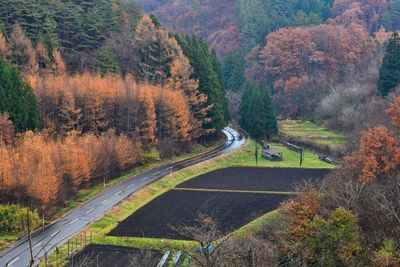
[13, 219]
[150, 156]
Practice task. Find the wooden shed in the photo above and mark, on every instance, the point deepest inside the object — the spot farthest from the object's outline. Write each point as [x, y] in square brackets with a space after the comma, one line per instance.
[272, 154]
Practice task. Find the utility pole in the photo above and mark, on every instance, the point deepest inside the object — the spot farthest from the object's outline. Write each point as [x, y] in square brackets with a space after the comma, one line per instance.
[256, 153]
[29, 238]
[301, 157]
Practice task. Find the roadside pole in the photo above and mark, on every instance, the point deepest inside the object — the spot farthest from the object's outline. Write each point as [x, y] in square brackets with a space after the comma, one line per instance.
[256, 153]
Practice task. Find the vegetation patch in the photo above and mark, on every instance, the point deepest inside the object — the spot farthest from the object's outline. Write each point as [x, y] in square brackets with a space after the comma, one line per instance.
[309, 133]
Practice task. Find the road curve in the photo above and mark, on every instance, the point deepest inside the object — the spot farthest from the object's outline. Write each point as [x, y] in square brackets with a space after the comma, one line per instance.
[57, 234]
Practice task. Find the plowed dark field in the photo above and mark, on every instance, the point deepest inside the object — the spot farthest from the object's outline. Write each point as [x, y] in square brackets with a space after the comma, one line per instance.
[163, 216]
[113, 256]
[254, 179]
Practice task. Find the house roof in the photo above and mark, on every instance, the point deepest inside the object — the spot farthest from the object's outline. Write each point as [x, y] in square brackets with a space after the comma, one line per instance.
[272, 151]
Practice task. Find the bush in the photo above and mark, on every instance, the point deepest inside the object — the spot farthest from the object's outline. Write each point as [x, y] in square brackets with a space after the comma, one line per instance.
[150, 156]
[13, 219]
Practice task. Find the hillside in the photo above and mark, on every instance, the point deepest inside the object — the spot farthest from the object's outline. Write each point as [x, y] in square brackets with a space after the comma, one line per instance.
[242, 24]
[104, 105]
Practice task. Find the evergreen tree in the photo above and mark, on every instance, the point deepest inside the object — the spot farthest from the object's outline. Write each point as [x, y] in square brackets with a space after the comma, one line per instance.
[257, 112]
[389, 74]
[106, 62]
[234, 67]
[17, 99]
[208, 71]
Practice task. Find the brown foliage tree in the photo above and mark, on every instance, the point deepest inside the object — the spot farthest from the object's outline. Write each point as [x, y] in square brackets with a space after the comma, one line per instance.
[155, 50]
[220, 29]
[4, 50]
[180, 81]
[22, 53]
[6, 130]
[379, 153]
[394, 112]
[365, 12]
[301, 63]
[50, 171]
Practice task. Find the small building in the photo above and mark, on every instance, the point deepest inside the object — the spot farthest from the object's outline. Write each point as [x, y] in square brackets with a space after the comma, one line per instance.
[272, 154]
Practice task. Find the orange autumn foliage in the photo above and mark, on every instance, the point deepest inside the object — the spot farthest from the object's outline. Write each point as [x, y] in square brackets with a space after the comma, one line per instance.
[378, 154]
[365, 12]
[48, 171]
[295, 56]
[394, 112]
[302, 212]
[93, 104]
[7, 131]
[4, 50]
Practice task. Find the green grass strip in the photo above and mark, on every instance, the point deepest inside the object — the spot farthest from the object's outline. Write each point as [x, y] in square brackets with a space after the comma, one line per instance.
[235, 191]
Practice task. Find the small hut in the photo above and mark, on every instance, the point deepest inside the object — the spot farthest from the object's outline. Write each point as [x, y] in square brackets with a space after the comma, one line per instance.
[272, 154]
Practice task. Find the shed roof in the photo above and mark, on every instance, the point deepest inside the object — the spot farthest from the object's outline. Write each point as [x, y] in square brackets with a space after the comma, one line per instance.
[272, 151]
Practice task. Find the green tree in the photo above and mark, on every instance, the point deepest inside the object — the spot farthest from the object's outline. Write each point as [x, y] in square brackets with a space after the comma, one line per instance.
[336, 241]
[106, 63]
[18, 99]
[208, 71]
[388, 255]
[234, 67]
[389, 74]
[257, 112]
[13, 219]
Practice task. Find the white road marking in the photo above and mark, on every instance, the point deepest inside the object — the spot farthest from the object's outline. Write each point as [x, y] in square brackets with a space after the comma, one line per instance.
[118, 193]
[144, 179]
[13, 261]
[104, 201]
[132, 185]
[157, 173]
[55, 233]
[90, 210]
[71, 222]
[38, 244]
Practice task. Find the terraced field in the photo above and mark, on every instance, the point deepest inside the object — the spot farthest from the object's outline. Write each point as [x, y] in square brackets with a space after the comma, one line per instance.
[232, 196]
[238, 194]
[310, 134]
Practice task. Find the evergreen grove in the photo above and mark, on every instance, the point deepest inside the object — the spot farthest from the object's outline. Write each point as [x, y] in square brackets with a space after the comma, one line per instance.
[389, 74]
[257, 112]
[208, 71]
[18, 99]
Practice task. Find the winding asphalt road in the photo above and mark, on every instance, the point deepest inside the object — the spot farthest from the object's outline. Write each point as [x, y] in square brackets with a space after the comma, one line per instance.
[58, 233]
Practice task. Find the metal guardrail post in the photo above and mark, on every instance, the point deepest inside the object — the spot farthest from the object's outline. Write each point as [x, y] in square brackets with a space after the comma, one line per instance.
[164, 259]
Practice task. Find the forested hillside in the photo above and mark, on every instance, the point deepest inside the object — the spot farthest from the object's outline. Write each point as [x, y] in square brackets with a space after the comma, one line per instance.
[90, 89]
[336, 63]
[242, 24]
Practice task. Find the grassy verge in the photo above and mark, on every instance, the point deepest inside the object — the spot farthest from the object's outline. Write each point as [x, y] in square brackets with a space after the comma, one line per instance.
[309, 132]
[6, 240]
[235, 191]
[257, 224]
[242, 157]
[85, 194]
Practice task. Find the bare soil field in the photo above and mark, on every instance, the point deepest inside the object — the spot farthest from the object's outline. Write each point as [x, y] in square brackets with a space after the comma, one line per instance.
[255, 179]
[114, 256]
[165, 215]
